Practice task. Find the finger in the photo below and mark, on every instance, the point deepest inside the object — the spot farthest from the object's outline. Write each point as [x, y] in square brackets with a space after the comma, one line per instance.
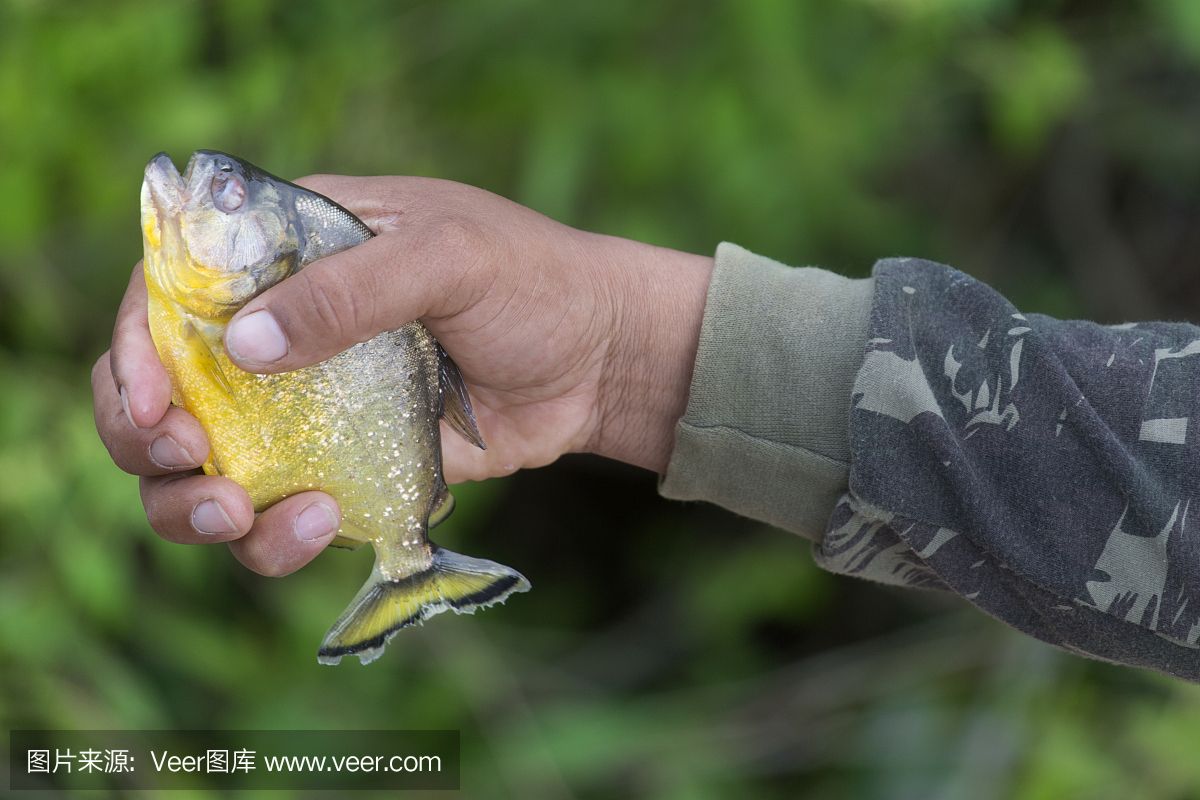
[197, 509]
[289, 534]
[352, 296]
[175, 444]
[141, 381]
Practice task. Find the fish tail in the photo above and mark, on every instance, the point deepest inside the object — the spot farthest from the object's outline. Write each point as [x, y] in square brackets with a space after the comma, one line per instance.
[452, 582]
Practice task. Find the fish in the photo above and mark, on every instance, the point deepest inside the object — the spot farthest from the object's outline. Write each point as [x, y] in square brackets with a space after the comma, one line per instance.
[362, 426]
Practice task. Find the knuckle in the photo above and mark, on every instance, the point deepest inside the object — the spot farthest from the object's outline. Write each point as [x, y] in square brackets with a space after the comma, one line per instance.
[129, 319]
[344, 314]
[124, 463]
[456, 247]
[118, 446]
[261, 561]
[101, 394]
[270, 568]
[457, 236]
[156, 513]
[100, 370]
[321, 182]
[327, 305]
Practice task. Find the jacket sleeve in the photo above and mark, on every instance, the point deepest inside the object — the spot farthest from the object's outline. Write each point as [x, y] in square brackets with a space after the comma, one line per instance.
[765, 431]
[1042, 469]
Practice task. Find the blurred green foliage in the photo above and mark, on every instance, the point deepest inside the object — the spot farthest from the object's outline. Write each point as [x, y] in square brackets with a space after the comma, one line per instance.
[667, 651]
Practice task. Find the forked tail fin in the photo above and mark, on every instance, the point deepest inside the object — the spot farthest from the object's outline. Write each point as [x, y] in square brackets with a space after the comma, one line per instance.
[452, 582]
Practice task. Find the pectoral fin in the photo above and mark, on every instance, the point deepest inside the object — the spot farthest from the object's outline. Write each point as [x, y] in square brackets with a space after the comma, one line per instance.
[456, 402]
[204, 358]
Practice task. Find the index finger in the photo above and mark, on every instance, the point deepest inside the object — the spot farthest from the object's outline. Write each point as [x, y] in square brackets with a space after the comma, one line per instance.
[140, 377]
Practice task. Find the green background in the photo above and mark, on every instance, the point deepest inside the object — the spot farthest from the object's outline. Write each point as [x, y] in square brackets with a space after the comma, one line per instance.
[668, 650]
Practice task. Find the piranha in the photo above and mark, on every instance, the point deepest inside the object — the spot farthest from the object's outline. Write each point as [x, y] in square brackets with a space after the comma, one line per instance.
[362, 426]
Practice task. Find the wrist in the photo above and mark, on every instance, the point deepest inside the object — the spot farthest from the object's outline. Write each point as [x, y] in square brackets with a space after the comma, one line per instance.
[657, 298]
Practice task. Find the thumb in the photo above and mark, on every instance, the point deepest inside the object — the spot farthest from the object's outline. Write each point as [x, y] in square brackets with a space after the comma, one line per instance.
[335, 303]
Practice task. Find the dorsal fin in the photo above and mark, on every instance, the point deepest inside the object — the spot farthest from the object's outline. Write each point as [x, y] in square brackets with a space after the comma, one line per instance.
[456, 402]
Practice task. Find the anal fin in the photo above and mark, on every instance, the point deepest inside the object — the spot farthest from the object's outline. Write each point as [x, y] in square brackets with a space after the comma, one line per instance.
[443, 509]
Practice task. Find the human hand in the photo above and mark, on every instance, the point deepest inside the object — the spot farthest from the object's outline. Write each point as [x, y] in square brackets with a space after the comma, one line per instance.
[569, 342]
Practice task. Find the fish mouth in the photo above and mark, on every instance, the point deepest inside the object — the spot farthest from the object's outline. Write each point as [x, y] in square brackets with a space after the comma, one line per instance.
[167, 194]
[163, 186]
[167, 191]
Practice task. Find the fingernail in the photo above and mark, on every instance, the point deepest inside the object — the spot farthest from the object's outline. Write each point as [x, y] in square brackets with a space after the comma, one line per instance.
[125, 406]
[256, 339]
[210, 518]
[315, 522]
[167, 453]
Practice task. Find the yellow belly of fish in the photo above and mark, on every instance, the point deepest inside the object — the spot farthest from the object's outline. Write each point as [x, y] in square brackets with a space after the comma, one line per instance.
[278, 435]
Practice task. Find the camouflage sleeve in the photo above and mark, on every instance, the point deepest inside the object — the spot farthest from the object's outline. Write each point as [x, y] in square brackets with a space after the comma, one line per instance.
[765, 431]
[1042, 469]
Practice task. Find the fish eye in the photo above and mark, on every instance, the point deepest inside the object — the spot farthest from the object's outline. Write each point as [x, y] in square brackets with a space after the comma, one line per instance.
[228, 191]
[225, 166]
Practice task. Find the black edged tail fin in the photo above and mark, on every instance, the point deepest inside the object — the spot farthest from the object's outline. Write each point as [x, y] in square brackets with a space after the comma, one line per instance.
[452, 582]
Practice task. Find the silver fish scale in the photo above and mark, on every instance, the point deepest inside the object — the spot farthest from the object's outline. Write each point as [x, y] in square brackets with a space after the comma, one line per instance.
[365, 423]
[327, 228]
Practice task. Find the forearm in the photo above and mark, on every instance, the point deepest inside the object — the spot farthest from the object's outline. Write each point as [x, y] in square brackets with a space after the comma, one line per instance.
[1041, 469]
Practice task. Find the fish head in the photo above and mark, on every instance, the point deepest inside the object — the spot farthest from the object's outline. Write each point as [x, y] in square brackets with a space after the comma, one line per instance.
[217, 235]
